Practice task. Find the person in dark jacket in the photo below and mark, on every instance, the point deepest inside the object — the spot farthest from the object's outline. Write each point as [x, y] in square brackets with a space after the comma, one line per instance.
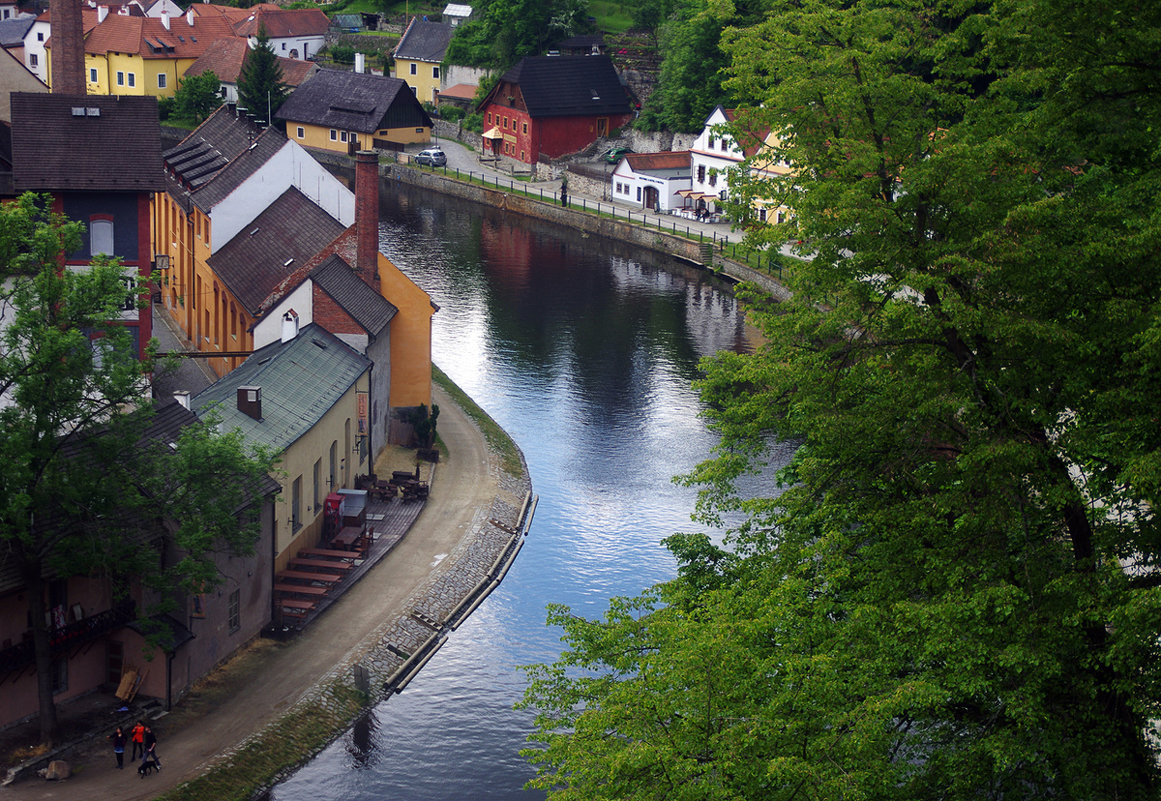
[118, 738]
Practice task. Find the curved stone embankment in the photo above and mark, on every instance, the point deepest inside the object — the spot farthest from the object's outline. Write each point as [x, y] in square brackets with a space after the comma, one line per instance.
[383, 661]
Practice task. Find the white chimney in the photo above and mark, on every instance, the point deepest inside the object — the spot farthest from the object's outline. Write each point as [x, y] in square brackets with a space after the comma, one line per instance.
[189, 17]
[165, 20]
[289, 325]
[102, 12]
[182, 397]
[360, 63]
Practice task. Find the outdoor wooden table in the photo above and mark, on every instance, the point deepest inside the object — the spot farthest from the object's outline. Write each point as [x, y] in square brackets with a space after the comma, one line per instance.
[302, 575]
[325, 564]
[301, 589]
[348, 536]
[326, 553]
[298, 603]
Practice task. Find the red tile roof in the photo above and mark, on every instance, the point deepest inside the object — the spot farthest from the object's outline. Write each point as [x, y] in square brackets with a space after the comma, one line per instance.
[283, 22]
[148, 37]
[225, 57]
[664, 160]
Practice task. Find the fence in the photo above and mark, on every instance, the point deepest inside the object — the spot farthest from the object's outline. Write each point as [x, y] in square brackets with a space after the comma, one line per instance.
[767, 262]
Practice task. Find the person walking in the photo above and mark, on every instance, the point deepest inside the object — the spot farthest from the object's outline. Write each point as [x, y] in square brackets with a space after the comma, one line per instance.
[137, 735]
[149, 754]
[118, 739]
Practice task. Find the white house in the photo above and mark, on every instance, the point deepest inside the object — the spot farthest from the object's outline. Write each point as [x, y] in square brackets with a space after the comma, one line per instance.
[652, 180]
[716, 156]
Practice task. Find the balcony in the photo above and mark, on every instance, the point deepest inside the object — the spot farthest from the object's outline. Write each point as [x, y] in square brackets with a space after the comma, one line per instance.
[67, 638]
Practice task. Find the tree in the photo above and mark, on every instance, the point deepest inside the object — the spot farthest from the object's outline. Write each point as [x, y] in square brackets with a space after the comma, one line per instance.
[506, 31]
[197, 96]
[260, 86]
[957, 594]
[83, 491]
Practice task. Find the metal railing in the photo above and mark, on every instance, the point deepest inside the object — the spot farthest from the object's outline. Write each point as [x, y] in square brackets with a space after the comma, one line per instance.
[21, 655]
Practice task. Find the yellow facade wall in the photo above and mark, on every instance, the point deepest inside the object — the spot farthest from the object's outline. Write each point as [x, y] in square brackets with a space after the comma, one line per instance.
[410, 337]
[338, 427]
[139, 76]
[423, 82]
[210, 317]
[339, 141]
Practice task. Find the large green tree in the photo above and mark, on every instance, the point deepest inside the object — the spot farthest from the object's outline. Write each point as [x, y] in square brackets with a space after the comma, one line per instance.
[84, 491]
[505, 31]
[260, 86]
[956, 597]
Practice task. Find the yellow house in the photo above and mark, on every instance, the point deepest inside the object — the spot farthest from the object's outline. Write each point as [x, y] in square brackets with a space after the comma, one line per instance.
[348, 111]
[418, 56]
[145, 55]
[300, 398]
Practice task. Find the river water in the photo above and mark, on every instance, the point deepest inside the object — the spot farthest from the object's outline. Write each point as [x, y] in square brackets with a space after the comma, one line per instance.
[583, 350]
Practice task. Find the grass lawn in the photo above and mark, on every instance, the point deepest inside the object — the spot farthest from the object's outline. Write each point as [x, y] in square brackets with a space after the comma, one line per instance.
[611, 16]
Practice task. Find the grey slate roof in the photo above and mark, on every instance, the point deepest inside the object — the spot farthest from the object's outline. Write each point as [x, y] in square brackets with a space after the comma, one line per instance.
[112, 144]
[12, 31]
[567, 86]
[291, 229]
[354, 102]
[424, 41]
[301, 381]
[366, 306]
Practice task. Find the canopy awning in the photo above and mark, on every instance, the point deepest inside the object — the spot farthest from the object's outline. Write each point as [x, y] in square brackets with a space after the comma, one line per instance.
[493, 133]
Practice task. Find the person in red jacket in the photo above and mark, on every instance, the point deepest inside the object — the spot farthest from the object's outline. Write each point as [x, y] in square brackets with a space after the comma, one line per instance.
[137, 735]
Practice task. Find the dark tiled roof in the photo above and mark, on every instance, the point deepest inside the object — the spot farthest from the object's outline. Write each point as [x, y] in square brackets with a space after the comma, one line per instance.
[366, 306]
[114, 145]
[239, 169]
[424, 41]
[354, 102]
[12, 31]
[301, 381]
[288, 233]
[197, 159]
[583, 41]
[567, 86]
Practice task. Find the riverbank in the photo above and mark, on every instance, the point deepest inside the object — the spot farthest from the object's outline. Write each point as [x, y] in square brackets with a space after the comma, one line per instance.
[464, 177]
[275, 705]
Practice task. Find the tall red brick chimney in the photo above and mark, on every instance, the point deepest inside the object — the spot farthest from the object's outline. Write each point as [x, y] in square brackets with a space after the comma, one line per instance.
[68, 48]
[367, 216]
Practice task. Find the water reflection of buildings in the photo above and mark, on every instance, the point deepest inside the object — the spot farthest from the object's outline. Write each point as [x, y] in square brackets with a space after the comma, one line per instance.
[712, 315]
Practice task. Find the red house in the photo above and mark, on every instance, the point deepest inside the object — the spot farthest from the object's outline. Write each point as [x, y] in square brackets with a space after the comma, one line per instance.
[549, 106]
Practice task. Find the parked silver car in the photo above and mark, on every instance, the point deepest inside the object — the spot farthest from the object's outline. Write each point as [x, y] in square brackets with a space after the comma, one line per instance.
[433, 157]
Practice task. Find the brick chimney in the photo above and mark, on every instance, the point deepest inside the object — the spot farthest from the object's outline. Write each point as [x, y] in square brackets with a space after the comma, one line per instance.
[68, 48]
[367, 216]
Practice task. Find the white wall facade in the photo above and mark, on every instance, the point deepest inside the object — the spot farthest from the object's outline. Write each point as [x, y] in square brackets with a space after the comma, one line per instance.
[296, 47]
[629, 186]
[711, 156]
[34, 46]
[290, 166]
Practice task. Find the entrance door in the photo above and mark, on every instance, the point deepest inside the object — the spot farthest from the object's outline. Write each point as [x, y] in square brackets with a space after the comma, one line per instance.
[652, 198]
[602, 126]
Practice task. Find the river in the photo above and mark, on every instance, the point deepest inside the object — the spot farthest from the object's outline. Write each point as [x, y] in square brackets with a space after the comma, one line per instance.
[584, 351]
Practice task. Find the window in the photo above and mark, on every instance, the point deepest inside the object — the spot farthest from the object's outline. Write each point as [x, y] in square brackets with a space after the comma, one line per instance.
[713, 179]
[120, 78]
[435, 71]
[318, 492]
[296, 504]
[302, 133]
[101, 236]
[334, 474]
[161, 80]
[638, 194]
[701, 173]
[40, 36]
[92, 74]
[415, 91]
[525, 128]
[343, 136]
[130, 302]
[284, 45]
[762, 215]
[333, 134]
[132, 79]
[489, 118]
[413, 68]
[33, 60]
[234, 611]
[711, 143]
